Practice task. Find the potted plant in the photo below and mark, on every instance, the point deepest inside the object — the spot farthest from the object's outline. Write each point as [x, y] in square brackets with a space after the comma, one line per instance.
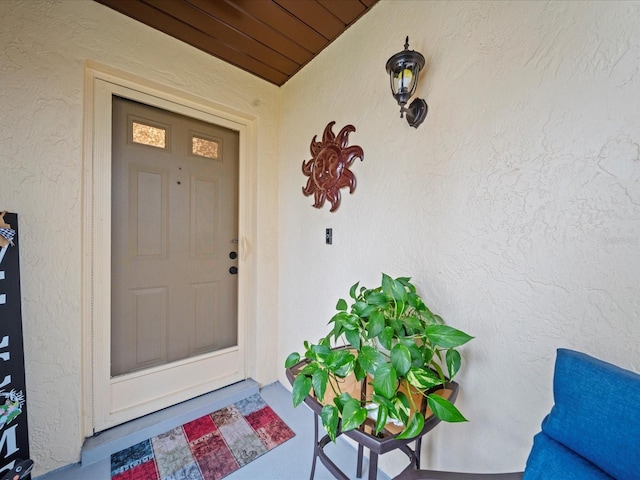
[389, 336]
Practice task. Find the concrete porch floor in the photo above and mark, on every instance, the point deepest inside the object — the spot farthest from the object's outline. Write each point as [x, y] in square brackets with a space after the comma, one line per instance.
[289, 461]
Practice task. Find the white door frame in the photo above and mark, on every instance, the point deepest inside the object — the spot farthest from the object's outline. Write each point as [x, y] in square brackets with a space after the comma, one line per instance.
[101, 83]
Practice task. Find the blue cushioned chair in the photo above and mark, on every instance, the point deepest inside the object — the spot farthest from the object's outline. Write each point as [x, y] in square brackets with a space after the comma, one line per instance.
[591, 433]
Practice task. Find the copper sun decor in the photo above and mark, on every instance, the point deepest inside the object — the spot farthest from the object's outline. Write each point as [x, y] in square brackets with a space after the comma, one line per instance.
[328, 169]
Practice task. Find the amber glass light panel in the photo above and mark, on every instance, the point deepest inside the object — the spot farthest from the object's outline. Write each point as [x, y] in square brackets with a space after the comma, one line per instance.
[404, 81]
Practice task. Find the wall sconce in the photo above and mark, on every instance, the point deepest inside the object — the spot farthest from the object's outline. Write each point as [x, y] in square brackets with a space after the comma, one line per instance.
[403, 69]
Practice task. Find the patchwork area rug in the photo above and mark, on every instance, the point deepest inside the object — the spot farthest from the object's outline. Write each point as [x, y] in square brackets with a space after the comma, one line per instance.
[208, 448]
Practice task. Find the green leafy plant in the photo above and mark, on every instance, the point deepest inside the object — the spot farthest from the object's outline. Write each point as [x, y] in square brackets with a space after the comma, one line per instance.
[391, 336]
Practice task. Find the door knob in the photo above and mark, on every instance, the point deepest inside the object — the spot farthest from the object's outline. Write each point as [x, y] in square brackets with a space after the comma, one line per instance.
[233, 270]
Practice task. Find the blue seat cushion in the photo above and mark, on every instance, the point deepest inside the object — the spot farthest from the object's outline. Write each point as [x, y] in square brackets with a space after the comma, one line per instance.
[596, 414]
[550, 460]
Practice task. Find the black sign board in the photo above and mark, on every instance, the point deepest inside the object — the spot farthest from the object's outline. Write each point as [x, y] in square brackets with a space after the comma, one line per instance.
[14, 435]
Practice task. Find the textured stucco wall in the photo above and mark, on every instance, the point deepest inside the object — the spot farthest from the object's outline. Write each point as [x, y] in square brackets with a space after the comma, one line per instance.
[43, 49]
[515, 206]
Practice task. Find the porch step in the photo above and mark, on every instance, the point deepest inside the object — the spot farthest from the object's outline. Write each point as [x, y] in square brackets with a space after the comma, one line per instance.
[102, 445]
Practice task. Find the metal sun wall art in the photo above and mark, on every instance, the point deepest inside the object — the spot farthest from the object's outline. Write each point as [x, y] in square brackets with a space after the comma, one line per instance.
[328, 169]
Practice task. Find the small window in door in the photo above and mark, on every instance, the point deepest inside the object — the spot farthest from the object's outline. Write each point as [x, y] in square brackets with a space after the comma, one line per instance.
[206, 146]
[144, 132]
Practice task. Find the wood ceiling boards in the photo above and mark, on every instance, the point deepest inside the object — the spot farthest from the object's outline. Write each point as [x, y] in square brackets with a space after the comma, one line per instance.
[271, 39]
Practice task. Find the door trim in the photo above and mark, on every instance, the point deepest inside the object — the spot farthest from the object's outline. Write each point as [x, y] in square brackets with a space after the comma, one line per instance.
[101, 82]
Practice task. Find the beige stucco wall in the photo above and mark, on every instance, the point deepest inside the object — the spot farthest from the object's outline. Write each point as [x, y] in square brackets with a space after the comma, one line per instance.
[515, 206]
[43, 49]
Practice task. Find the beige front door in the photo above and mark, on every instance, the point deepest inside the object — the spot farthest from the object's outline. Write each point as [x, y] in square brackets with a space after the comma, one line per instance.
[174, 224]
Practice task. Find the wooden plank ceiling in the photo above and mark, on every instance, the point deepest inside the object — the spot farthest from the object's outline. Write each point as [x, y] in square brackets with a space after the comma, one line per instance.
[271, 39]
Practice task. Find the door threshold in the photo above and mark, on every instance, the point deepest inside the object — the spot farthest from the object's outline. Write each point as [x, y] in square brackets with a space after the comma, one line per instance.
[103, 444]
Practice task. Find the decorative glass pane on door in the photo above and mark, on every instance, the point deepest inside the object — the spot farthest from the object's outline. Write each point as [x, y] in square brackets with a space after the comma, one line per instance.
[206, 147]
[151, 135]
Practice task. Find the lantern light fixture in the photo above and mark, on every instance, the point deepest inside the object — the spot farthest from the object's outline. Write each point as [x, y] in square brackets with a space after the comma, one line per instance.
[403, 69]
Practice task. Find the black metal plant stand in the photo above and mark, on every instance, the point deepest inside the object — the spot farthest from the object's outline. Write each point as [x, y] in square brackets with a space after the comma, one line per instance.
[364, 436]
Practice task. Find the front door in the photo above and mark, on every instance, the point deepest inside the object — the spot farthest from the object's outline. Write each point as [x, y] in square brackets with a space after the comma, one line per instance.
[174, 224]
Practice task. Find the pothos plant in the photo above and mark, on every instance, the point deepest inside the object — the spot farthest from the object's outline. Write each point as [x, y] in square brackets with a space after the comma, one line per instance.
[390, 335]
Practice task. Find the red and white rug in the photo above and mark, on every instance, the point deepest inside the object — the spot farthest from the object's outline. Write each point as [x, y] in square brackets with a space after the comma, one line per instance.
[208, 448]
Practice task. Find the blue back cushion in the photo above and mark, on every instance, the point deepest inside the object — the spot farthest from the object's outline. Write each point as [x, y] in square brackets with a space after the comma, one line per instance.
[596, 416]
